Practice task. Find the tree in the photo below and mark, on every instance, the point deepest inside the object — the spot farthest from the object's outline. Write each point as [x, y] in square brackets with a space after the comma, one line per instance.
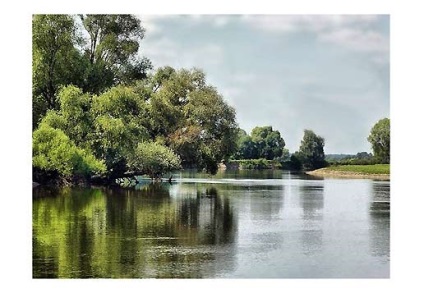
[111, 49]
[192, 118]
[153, 159]
[55, 59]
[269, 142]
[61, 56]
[311, 151]
[120, 123]
[53, 151]
[380, 140]
[246, 148]
[295, 163]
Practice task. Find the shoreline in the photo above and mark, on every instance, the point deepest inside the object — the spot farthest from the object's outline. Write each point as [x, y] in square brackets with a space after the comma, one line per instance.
[324, 172]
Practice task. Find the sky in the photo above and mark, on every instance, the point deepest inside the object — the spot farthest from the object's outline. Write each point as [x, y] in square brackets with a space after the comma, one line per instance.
[327, 73]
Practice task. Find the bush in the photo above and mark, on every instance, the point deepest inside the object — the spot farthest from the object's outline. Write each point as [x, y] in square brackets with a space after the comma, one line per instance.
[53, 151]
[153, 159]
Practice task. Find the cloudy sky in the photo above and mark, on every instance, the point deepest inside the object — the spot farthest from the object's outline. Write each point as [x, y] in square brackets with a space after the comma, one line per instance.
[294, 72]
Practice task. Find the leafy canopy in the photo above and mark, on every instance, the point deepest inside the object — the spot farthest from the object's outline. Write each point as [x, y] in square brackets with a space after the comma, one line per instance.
[311, 150]
[264, 142]
[153, 159]
[380, 140]
[54, 151]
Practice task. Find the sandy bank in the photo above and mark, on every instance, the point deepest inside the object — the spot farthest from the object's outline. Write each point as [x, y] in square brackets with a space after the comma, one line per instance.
[324, 172]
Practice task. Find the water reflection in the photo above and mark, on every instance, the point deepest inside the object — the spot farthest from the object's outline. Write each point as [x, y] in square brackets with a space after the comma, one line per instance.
[266, 202]
[131, 233]
[312, 202]
[286, 226]
[380, 219]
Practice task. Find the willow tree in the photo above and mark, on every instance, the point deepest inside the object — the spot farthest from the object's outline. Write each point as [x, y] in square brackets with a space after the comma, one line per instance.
[111, 48]
[55, 60]
[94, 56]
[192, 118]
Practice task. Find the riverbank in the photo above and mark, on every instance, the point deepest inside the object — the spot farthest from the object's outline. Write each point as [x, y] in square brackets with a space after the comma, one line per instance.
[381, 171]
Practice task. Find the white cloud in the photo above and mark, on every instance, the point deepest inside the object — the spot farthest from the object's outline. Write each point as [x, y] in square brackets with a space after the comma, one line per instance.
[353, 32]
[216, 20]
[151, 22]
[313, 23]
[160, 51]
[367, 41]
[164, 51]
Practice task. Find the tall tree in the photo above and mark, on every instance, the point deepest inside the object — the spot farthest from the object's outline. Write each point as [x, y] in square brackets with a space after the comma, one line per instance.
[311, 150]
[56, 61]
[192, 118]
[246, 148]
[61, 56]
[380, 140]
[111, 48]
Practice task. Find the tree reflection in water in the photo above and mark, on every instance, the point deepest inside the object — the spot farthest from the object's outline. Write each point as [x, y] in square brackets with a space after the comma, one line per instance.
[380, 219]
[132, 233]
[312, 202]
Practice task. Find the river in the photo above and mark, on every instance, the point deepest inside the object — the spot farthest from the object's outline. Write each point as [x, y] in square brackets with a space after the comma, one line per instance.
[237, 224]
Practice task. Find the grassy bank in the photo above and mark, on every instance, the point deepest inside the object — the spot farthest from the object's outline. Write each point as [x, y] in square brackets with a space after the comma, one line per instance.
[379, 171]
[365, 169]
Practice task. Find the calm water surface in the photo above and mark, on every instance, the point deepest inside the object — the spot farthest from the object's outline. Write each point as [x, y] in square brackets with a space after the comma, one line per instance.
[244, 224]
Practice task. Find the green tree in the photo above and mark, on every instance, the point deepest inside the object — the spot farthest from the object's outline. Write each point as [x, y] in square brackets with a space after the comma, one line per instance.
[311, 151]
[111, 49]
[53, 151]
[380, 140]
[295, 163]
[119, 124]
[61, 56]
[192, 118]
[269, 142]
[153, 159]
[246, 148]
[56, 61]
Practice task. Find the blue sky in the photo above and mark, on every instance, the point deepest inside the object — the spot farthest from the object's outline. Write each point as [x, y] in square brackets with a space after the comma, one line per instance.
[328, 73]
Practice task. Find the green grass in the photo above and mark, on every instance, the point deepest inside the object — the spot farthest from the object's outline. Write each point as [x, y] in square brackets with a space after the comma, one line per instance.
[366, 169]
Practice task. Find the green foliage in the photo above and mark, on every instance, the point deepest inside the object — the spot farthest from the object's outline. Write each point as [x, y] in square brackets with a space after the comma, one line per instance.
[192, 117]
[54, 151]
[119, 124]
[295, 163]
[111, 49]
[269, 143]
[153, 159]
[246, 148]
[257, 164]
[311, 151]
[380, 140]
[362, 158]
[55, 60]
[79, 73]
[264, 142]
[62, 57]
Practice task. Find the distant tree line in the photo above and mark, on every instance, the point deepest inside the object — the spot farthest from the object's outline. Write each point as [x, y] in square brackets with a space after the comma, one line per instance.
[267, 144]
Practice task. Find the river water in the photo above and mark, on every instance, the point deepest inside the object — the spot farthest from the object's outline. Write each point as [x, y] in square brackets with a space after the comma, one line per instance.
[237, 224]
